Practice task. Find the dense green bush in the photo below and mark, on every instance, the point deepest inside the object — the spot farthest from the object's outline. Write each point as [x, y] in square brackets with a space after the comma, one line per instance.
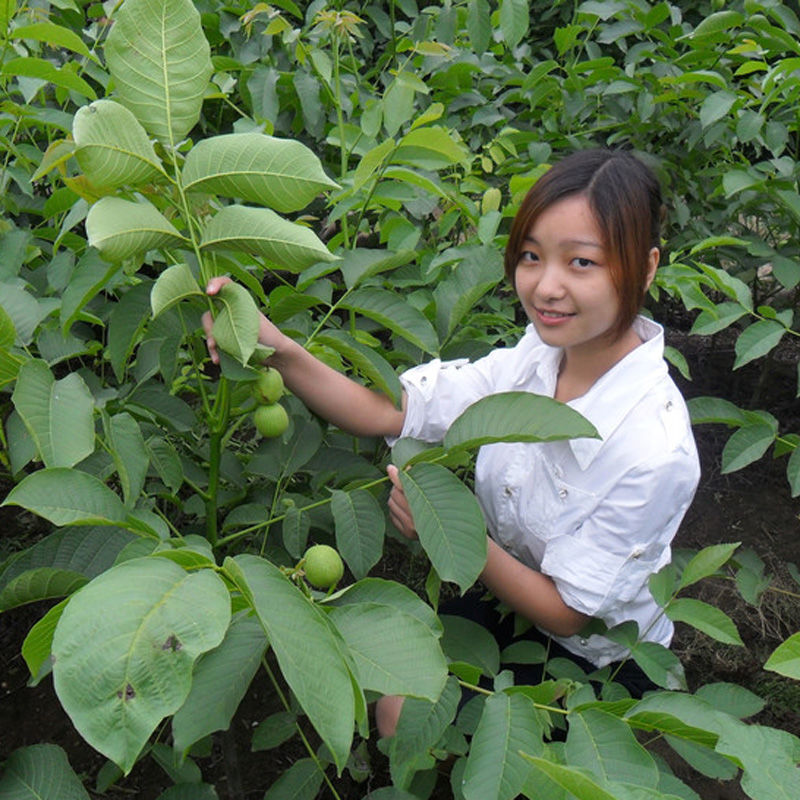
[137, 165]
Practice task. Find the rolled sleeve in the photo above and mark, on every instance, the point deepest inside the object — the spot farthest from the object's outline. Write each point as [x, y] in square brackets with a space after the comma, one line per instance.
[607, 561]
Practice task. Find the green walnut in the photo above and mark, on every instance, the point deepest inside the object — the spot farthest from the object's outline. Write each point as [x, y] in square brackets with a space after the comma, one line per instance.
[271, 420]
[268, 387]
[323, 566]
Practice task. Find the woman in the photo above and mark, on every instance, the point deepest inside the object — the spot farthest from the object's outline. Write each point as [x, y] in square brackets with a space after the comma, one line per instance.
[576, 527]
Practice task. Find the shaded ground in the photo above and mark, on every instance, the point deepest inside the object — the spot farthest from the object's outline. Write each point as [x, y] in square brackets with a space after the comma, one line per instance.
[751, 506]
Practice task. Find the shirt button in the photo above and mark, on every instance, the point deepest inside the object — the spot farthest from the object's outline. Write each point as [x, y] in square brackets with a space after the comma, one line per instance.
[508, 491]
[636, 553]
[668, 405]
[423, 379]
[562, 493]
[584, 642]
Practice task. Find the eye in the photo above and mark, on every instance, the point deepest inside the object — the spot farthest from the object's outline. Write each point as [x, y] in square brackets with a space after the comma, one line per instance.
[528, 257]
[583, 263]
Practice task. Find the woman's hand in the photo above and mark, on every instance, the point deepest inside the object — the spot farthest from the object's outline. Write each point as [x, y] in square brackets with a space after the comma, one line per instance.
[268, 333]
[399, 510]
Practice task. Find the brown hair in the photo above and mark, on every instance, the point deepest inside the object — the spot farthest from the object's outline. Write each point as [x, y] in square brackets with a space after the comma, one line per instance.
[625, 198]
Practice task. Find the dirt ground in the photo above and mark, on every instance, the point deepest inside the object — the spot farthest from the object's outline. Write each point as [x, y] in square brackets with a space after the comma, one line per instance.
[752, 506]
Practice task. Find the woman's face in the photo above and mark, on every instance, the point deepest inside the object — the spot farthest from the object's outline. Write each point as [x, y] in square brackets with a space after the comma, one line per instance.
[563, 280]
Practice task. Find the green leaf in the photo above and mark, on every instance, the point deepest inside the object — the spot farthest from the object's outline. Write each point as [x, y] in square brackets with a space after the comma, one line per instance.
[516, 417]
[301, 781]
[120, 228]
[706, 563]
[678, 360]
[394, 313]
[757, 340]
[606, 746]
[40, 772]
[715, 409]
[496, 766]
[219, 682]
[471, 280]
[785, 659]
[368, 362]
[360, 525]
[280, 173]
[160, 62]
[705, 618]
[514, 21]
[24, 311]
[661, 665]
[393, 652]
[43, 583]
[318, 676]
[38, 643]
[793, 471]
[40, 69]
[724, 314]
[112, 147]
[479, 25]
[361, 263]
[68, 497]
[126, 322]
[371, 162]
[174, 284]
[274, 731]
[735, 699]
[419, 728]
[716, 23]
[468, 642]
[261, 232]
[236, 323]
[119, 673]
[745, 446]
[574, 780]
[431, 148]
[449, 522]
[189, 791]
[58, 414]
[7, 333]
[130, 455]
[53, 35]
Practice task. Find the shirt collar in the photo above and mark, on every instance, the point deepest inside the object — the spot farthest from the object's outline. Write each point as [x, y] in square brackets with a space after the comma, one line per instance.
[610, 399]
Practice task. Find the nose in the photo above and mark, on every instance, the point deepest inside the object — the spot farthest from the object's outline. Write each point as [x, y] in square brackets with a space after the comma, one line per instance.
[550, 285]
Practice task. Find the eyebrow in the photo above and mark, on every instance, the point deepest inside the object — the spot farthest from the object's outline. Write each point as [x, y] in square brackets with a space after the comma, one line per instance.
[583, 242]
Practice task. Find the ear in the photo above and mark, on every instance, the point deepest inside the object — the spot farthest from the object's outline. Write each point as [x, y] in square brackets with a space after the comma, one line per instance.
[652, 265]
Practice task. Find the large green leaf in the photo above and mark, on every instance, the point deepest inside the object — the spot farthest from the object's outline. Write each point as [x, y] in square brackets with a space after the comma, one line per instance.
[419, 728]
[516, 417]
[129, 452]
[300, 782]
[580, 783]
[706, 562]
[24, 311]
[68, 497]
[785, 659]
[58, 414]
[604, 744]
[120, 228]
[360, 525]
[38, 643]
[54, 35]
[757, 340]
[112, 147]
[470, 281]
[28, 67]
[236, 323]
[430, 148]
[318, 676]
[279, 173]
[92, 274]
[508, 727]
[261, 232]
[120, 672]
[173, 285]
[43, 583]
[394, 653]
[712, 621]
[40, 772]
[220, 680]
[745, 446]
[449, 522]
[127, 320]
[396, 314]
[160, 61]
[514, 20]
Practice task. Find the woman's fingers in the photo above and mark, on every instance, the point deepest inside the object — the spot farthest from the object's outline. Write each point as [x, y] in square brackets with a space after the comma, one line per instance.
[399, 509]
[212, 288]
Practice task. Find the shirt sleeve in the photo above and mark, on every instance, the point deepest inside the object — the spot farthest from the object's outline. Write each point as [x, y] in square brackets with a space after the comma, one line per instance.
[607, 561]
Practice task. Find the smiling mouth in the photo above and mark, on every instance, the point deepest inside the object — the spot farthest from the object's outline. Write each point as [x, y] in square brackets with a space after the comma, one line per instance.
[553, 314]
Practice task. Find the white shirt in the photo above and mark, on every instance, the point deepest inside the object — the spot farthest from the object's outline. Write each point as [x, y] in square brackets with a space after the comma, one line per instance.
[596, 515]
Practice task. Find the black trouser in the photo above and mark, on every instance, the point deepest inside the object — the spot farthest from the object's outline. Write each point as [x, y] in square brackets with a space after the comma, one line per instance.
[472, 606]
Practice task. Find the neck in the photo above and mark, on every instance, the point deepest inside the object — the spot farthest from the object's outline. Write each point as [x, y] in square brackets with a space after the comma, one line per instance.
[582, 366]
